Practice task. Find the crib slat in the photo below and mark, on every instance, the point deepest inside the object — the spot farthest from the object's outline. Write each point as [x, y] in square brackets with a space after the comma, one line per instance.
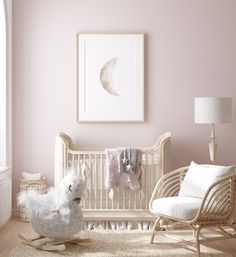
[101, 178]
[112, 201]
[135, 200]
[82, 157]
[91, 182]
[123, 198]
[148, 178]
[106, 199]
[129, 200]
[95, 180]
[118, 199]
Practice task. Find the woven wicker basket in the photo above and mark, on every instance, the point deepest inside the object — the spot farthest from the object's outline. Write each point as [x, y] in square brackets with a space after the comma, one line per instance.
[39, 186]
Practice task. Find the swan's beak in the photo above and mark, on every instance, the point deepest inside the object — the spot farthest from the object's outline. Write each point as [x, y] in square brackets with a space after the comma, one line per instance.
[77, 199]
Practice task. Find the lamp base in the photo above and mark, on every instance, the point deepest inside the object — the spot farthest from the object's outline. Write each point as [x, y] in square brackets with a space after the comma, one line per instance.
[212, 149]
[212, 144]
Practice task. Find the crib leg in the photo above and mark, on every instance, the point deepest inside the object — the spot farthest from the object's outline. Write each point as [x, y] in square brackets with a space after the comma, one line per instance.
[113, 225]
[90, 225]
[129, 225]
[140, 227]
[145, 225]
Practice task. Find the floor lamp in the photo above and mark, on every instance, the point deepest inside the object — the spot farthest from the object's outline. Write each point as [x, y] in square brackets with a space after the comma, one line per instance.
[213, 110]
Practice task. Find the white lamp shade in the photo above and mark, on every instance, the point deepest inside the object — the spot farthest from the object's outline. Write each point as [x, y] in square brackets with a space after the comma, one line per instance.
[211, 110]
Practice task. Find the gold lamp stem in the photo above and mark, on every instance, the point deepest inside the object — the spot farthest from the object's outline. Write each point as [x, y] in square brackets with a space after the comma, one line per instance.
[212, 144]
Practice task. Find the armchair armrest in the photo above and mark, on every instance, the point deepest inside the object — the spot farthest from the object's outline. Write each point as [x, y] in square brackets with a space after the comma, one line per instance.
[168, 185]
[218, 202]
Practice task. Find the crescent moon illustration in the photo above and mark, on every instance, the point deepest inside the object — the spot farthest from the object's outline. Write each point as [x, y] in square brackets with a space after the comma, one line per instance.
[106, 77]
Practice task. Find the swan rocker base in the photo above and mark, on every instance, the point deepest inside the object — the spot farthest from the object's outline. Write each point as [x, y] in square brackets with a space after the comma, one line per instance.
[49, 244]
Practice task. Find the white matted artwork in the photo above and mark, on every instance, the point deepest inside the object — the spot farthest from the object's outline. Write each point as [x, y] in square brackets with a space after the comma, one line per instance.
[111, 77]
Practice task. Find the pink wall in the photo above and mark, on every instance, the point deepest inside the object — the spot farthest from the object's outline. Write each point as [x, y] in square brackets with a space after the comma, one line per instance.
[190, 51]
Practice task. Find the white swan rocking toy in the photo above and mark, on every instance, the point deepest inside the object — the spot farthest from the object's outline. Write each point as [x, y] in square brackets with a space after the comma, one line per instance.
[56, 216]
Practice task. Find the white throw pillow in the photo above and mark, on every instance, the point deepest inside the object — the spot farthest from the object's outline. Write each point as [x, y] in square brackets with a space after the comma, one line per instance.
[31, 176]
[200, 177]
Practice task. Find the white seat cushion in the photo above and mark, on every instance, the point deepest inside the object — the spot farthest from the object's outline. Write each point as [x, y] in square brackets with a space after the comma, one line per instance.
[184, 208]
[199, 178]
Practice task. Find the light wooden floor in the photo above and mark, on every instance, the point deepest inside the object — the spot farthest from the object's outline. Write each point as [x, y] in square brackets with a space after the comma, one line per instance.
[8, 235]
[9, 232]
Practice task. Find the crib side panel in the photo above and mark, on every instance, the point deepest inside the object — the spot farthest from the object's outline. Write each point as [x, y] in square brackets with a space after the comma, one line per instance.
[92, 166]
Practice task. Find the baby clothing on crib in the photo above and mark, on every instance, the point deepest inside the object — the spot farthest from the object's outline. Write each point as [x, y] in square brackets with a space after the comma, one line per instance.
[123, 169]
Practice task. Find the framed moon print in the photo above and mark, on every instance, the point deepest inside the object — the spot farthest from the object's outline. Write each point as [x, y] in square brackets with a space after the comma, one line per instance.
[110, 77]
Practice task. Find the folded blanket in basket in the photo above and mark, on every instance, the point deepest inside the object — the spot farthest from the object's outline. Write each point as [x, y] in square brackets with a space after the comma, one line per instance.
[31, 176]
[115, 178]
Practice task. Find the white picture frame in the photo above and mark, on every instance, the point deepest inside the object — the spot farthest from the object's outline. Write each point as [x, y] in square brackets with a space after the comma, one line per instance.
[110, 77]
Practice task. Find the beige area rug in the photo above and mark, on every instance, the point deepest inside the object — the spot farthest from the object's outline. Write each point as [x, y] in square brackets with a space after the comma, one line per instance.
[125, 244]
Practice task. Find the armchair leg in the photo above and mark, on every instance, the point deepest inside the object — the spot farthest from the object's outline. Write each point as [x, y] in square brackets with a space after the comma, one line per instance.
[197, 244]
[154, 229]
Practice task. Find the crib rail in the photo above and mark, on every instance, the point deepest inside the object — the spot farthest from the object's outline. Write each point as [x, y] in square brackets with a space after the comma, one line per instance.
[126, 205]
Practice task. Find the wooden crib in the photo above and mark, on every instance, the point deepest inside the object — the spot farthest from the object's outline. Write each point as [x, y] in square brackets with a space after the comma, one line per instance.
[128, 208]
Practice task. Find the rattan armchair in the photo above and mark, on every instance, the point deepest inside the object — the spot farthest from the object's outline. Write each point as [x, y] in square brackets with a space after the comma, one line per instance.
[216, 209]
